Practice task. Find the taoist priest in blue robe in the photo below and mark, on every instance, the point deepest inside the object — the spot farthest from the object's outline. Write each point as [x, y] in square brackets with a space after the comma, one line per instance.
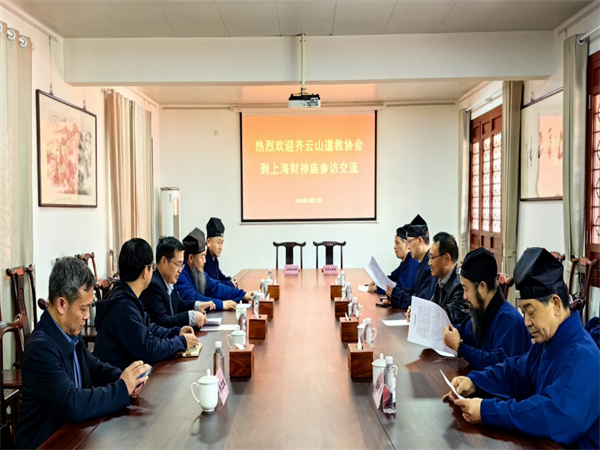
[551, 391]
[215, 237]
[495, 329]
[193, 284]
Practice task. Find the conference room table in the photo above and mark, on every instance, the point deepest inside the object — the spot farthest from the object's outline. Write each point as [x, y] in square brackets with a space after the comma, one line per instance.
[301, 394]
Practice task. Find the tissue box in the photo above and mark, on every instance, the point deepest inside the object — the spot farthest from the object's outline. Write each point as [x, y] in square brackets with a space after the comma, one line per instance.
[266, 307]
[349, 329]
[257, 327]
[241, 362]
[359, 361]
[341, 307]
[274, 291]
[335, 290]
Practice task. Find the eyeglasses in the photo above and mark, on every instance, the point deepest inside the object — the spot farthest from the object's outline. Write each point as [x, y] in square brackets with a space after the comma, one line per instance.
[152, 266]
[177, 264]
[431, 257]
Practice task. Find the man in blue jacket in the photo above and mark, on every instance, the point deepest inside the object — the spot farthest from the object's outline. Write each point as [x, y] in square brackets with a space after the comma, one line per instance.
[125, 332]
[417, 236]
[62, 381]
[553, 390]
[161, 300]
[193, 284]
[404, 274]
[215, 238]
[494, 330]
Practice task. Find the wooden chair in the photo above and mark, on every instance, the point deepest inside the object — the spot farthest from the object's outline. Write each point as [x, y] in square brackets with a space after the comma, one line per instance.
[10, 398]
[17, 281]
[86, 257]
[329, 245]
[289, 252]
[580, 280]
[504, 283]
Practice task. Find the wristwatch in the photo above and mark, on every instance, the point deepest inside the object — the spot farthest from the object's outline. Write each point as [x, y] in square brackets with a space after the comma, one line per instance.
[458, 353]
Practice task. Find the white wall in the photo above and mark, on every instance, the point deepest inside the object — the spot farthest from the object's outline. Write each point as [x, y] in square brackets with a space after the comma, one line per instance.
[416, 173]
[68, 231]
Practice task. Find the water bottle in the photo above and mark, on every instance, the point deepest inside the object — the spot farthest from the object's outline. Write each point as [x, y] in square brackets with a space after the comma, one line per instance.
[368, 331]
[342, 278]
[389, 389]
[270, 275]
[218, 358]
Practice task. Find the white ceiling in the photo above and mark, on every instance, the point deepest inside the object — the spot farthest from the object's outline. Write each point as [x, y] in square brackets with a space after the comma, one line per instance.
[241, 18]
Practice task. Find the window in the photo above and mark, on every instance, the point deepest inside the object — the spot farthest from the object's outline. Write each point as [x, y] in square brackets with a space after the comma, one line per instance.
[486, 183]
[592, 222]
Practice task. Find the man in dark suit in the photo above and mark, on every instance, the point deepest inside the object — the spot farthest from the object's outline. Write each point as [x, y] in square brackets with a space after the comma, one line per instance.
[62, 381]
[161, 300]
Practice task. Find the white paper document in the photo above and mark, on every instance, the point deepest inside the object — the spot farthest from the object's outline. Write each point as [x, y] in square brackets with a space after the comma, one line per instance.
[451, 387]
[427, 323]
[363, 288]
[227, 327]
[213, 321]
[378, 275]
[395, 323]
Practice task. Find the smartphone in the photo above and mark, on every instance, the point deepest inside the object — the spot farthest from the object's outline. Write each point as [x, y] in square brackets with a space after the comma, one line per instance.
[146, 374]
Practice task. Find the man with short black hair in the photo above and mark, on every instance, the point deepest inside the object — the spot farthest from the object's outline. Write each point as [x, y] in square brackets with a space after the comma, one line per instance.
[62, 381]
[494, 329]
[405, 273]
[161, 300]
[417, 237]
[125, 332]
[215, 238]
[553, 390]
[443, 261]
[194, 285]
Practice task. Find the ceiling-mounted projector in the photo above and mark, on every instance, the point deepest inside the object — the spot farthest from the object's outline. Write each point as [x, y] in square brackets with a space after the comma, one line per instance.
[304, 101]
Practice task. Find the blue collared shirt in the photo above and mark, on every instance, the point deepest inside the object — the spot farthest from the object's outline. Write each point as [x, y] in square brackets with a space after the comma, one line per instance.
[73, 341]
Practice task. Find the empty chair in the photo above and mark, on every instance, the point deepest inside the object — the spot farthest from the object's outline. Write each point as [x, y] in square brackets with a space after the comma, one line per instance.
[17, 283]
[329, 245]
[504, 283]
[289, 252]
[10, 397]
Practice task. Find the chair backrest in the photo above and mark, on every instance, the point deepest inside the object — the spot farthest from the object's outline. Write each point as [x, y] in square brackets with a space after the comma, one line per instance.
[17, 281]
[329, 245]
[580, 280]
[289, 252]
[86, 257]
[504, 283]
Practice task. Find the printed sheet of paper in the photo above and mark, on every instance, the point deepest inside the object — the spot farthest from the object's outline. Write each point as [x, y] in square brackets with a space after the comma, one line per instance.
[363, 288]
[226, 327]
[451, 387]
[213, 321]
[378, 275]
[395, 323]
[427, 323]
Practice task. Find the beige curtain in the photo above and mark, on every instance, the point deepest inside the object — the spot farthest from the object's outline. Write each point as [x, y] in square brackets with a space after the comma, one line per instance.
[129, 159]
[464, 144]
[16, 223]
[574, 124]
[512, 97]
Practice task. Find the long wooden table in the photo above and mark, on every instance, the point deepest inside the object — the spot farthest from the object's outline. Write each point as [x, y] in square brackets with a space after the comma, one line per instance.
[301, 394]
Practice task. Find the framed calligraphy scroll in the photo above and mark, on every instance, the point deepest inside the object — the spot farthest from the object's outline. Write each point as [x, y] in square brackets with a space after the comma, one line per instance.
[542, 148]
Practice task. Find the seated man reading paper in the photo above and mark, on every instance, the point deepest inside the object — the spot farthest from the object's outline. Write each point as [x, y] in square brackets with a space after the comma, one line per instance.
[553, 390]
[494, 329]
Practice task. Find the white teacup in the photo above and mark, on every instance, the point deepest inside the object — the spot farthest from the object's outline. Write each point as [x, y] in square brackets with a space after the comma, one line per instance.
[236, 337]
[208, 391]
[378, 366]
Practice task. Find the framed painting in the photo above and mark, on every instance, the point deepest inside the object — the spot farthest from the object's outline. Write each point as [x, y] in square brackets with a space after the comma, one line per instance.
[542, 148]
[67, 153]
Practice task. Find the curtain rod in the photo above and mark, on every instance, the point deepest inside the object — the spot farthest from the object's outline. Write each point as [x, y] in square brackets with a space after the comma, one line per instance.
[30, 22]
[581, 38]
[533, 101]
[489, 99]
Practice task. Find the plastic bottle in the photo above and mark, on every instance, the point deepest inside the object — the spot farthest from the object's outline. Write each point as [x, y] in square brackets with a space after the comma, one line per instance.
[389, 379]
[368, 331]
[218, 358]
[342, 278]
[270, 275]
